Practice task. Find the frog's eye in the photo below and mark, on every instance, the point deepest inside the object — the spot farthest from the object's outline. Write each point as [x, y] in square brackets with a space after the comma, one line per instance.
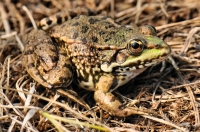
[135, 46]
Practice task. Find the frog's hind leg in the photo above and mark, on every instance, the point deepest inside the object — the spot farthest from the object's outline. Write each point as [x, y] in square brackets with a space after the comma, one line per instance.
[64, 15]
[45, 63]
[107, 101]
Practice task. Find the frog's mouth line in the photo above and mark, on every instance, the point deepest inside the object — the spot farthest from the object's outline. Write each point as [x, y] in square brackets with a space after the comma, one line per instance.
[133, 67]
[144, 63]
[129, 67]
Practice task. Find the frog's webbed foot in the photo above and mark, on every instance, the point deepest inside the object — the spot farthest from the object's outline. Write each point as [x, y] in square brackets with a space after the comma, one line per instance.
[110, 103]
[44, 62]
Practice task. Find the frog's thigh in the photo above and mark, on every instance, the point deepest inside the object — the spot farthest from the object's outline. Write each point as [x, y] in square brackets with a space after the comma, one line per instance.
[43, 63]
[107, 101]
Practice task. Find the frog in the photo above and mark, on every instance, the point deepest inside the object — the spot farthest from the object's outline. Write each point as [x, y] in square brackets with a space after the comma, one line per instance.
[94, 52]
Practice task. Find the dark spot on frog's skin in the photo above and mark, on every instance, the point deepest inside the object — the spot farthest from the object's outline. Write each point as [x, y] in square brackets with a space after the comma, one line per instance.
[75, 24]
[123, 79]
[94, 39]
[128, 29]
[112, 32]
[112, 99]
[38, 62]
[75, 35]
[107, 39]
[82, 49]
[137, 67]
[118, 23]
[75, 49]
[90, 12]
[59, 19]
[84, 29]
[53, 58]
[93, 21]
[121, 69]
[84, 40]
[127, 68]
[72, 14]
[78, 17]
[45, 71]
[101, 33]
[109, 26]
[66, 18]
[31, 65]
[48, 21]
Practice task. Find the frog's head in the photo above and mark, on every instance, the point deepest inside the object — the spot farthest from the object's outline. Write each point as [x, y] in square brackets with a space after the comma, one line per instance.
[141, 51]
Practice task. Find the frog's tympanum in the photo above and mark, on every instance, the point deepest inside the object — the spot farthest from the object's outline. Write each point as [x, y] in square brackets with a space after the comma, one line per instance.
[94, 52]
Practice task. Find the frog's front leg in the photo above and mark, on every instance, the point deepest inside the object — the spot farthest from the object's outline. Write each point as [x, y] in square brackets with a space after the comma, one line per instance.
[107, 101]
[46, 62]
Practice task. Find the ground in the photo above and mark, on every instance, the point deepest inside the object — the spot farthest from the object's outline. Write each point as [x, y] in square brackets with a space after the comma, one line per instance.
[173, 94]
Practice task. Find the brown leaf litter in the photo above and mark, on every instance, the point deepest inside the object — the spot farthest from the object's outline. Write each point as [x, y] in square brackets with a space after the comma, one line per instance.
[173, 94]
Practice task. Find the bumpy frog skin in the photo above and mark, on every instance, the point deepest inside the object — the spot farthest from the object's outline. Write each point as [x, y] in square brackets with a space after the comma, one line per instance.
[94, 52]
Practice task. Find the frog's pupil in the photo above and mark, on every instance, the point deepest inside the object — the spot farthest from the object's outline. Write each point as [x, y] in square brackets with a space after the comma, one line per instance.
[135, 45]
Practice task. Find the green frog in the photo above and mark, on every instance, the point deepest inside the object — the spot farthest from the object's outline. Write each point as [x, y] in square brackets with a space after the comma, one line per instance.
[95, 52]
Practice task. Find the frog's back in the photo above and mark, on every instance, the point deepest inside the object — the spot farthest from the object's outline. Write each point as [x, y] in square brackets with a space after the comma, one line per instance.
[93, 30]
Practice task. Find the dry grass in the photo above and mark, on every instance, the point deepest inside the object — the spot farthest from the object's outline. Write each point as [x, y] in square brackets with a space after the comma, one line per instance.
[174, 95]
